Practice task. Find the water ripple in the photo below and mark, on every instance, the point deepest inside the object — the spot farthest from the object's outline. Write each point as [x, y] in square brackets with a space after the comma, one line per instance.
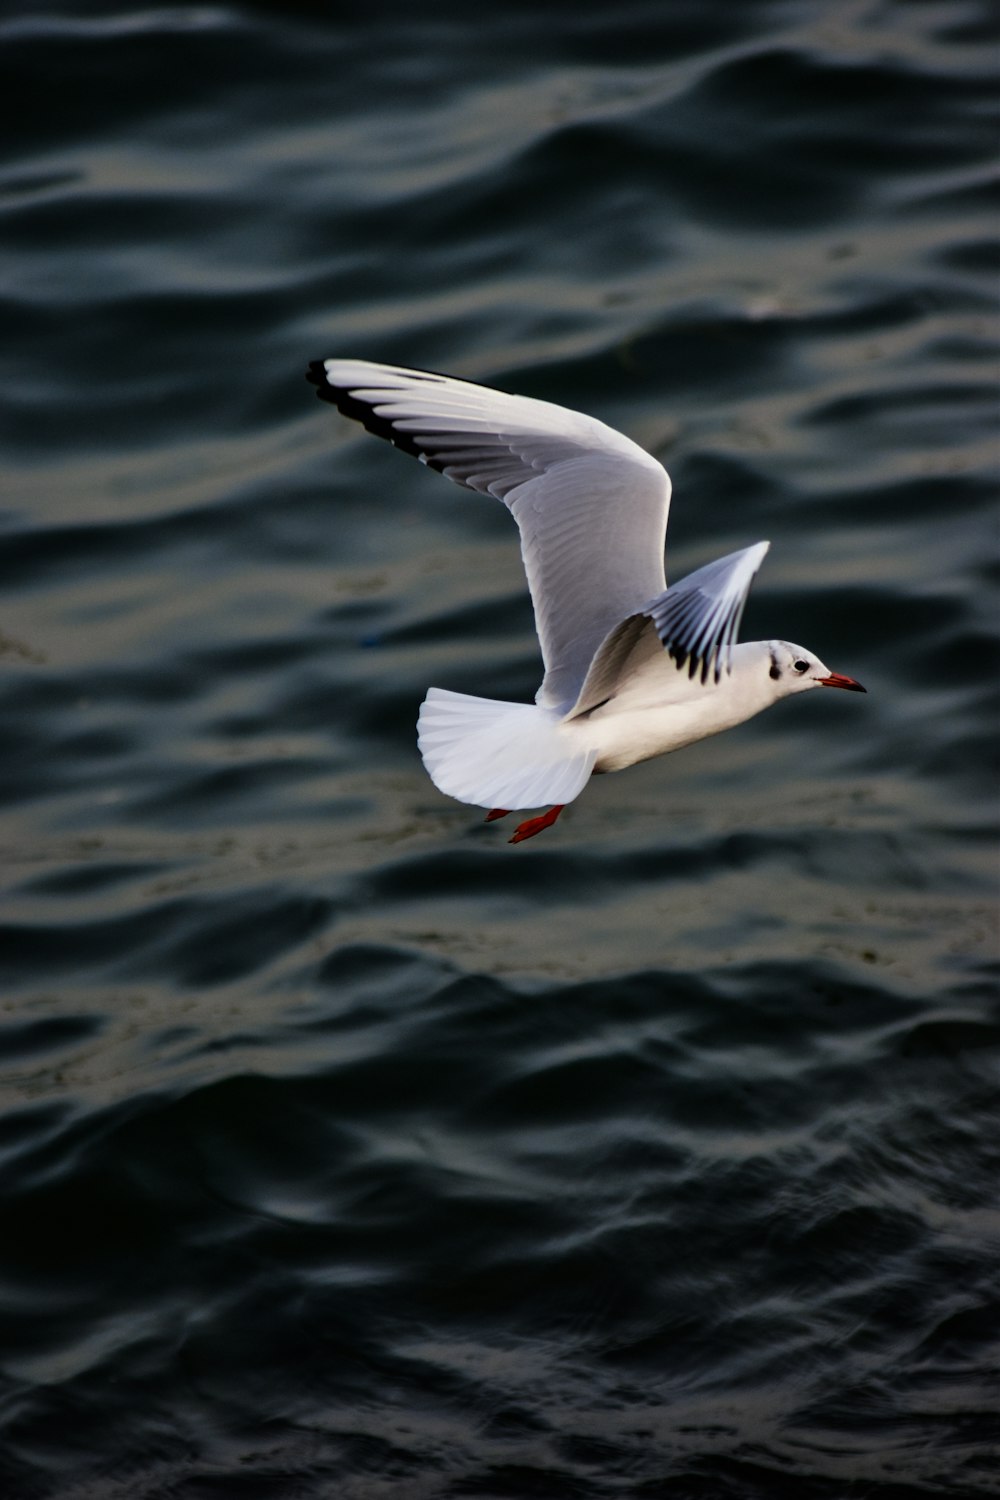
[345, 1148]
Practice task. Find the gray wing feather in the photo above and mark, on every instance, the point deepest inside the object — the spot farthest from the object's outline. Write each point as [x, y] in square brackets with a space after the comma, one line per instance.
[591, 505]
[696, 620]
[699, 618]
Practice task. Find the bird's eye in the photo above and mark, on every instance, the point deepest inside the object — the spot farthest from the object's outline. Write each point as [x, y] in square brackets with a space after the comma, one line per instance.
[801, 666]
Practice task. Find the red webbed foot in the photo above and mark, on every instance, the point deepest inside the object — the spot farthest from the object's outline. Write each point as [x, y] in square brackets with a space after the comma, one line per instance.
[497, 812]
[531, 826]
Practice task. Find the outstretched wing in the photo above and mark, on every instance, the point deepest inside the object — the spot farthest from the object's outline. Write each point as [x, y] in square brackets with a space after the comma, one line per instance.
[591, 506]
[699, 618]
[696, 620]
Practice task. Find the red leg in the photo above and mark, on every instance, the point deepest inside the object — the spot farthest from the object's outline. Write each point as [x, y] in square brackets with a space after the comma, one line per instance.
[498, 812]
[531, 826]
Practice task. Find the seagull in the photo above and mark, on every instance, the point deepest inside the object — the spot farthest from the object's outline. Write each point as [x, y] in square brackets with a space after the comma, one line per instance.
[633, 669]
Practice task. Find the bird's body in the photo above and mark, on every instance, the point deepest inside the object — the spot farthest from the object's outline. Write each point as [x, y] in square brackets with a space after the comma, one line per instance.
[661, 709]
[632, 669]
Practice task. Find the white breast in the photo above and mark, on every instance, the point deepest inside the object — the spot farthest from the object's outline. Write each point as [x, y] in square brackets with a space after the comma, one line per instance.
[661, 709]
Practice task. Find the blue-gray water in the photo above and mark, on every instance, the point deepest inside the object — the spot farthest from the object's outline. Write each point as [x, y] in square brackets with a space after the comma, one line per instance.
[346, 1150]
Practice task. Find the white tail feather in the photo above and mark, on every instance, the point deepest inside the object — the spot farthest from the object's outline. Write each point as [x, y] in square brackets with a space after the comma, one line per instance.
[492, 754]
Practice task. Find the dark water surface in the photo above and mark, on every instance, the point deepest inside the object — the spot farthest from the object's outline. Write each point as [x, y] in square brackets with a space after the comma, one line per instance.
[348, 1151]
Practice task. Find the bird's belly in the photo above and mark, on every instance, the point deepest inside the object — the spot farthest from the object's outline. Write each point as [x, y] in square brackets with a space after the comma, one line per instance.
[629, 738]
[625, 737]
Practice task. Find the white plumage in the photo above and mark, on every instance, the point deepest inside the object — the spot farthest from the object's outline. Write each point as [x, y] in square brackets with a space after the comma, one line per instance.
[632, 669]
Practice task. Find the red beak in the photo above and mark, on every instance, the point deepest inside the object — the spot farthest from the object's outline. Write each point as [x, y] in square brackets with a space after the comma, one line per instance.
[837, 679]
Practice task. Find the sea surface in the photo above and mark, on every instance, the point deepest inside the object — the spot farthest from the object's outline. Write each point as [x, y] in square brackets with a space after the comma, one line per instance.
[345, 1150]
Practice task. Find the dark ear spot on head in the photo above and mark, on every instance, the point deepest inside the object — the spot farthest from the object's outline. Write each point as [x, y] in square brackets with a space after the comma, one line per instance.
[775, 669]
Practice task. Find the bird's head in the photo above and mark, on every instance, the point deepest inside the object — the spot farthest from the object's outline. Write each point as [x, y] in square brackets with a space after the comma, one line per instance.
[792, 669]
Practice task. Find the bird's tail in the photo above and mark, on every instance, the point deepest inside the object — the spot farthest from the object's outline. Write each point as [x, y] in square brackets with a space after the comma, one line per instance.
[509, 755]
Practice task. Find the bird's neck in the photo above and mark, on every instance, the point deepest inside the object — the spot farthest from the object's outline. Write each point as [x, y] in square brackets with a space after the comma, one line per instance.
[752, 682]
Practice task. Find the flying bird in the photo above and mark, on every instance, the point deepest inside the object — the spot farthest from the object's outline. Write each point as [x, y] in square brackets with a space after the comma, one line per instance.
[633, 669]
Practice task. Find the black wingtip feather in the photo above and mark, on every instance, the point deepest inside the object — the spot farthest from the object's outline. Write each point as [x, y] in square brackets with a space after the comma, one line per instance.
[316, 375]
[696, 665]
[360, 411]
